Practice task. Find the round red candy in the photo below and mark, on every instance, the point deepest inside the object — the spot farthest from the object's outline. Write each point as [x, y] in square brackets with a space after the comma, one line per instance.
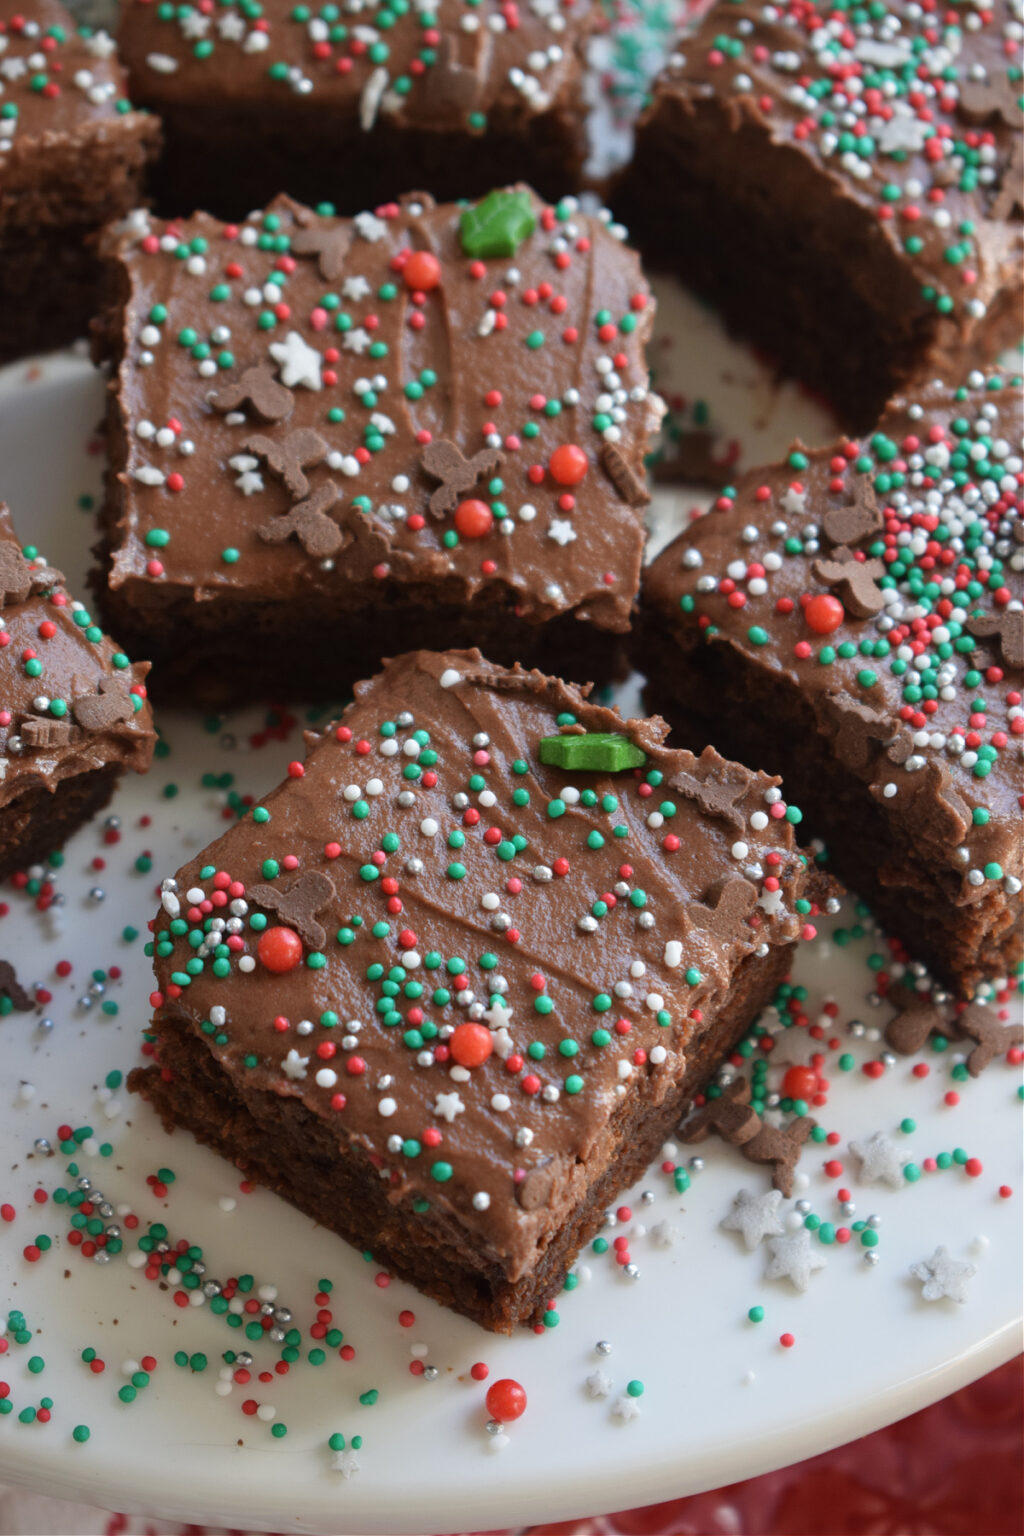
[471, 1044]
[422, 271]
[506, 1400]
[279, 949]
[473, 519]
[568, 464]
[824, 613]
[800, 1083]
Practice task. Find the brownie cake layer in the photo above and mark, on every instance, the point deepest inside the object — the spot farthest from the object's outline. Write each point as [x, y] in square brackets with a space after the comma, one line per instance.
[332, 439]
[73, 715]
[845, 185]
[72, 153]
[355, 106]
[852, 618]
[456, 979]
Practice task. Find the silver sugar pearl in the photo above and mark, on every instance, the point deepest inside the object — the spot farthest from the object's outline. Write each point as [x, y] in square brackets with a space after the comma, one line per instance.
[849, 1208]
[697, 1164]
[283, 1315]
[430, 1373]
[243, 1359]
[804, 1207]
[888, 1059]
[874, 1221]
[406, 798]
[603, 1347]
[41, 1145]
[631, 1272]
[97, 893]
[113, 1230]
[101, 1256]
[494, 1426]
[211, 1288]
[856, 1029]
[647, 1198]
[113, 822]
[871, 1256]
[44, 1026]
[84, 1183]
[277, 1335]
[645, 920]
[414, 866]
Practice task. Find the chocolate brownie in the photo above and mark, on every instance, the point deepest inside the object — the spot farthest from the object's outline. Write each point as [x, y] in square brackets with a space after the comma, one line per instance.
[333, 439]
[852, 618]
[845, 184]
[72, 153]
[452, 983]
[356, 104]
[73, 711]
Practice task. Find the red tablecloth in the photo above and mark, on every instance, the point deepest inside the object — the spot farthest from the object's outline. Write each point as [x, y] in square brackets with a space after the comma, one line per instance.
[952, 1470]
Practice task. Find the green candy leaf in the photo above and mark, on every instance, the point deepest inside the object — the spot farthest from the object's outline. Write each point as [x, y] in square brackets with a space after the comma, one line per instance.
[498, 225]
[593, 752]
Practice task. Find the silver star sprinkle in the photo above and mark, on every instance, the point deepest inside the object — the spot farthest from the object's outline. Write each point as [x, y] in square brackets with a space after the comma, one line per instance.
[755, 1216]
[795, 1258]
[881, 1160]
[942, 1275]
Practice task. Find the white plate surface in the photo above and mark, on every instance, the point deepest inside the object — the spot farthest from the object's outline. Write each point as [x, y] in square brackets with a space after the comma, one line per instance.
[723, 1399]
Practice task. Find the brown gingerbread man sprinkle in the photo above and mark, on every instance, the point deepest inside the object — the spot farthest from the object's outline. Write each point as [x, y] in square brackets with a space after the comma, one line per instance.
[729, 1115]
[630, 485]
[444, 461]
[850, 524]
[296, 905]
[856, 579]
[726, 905]
[329, 246]
[717, 786]
[291, 456]
[257, 388]
[1005, 629]
[110, 705]
[318, 534]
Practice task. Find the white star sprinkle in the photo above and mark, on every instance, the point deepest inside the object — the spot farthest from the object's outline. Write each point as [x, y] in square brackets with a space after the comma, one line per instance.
[795, 1258]
[294, 1065]
[300, 363]
[755, 1216]
[598, 1384]
[942, 1275]
[881, 1161]
[666, 1234]
[771, 902]
[794, 501]
[448, 1105]
[370, 227]
[498, 1016]
[356, 341]
[101, 45]
[355, 288]
[249, 479]
[626, 1407]
[231, 27]
[562, 531]
[345, 1462]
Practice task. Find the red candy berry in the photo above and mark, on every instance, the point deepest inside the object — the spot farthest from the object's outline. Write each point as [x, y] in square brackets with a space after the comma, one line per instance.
[568, 464]
[473, 519]
[279, 949]
[800, 1083]
[506, 1400]
[422, 271]
[824, 613]
[471, 1044]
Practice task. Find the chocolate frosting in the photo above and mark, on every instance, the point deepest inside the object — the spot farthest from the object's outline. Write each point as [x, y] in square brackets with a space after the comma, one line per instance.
[587, 922]
[448, 66]
[290, 416]
[85, 706]
[918, 687]
[58, 84]
[911, 113]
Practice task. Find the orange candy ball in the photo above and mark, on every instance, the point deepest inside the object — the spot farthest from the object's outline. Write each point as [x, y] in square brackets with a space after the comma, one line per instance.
[568, 464]
[279, 949]
[473, 519]
[471, 1044]
[824, 613]
[422, 271]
